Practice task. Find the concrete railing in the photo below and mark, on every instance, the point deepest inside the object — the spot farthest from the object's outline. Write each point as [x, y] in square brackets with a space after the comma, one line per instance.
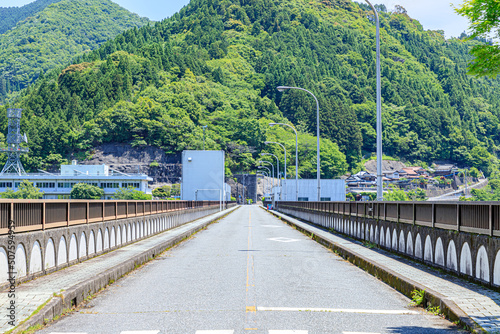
[481, 218]
[40, 248]
[457, 237]
[33, 215]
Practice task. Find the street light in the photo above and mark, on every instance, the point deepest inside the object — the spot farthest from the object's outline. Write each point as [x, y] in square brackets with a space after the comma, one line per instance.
[270, 171]
[318, 172]
[277, 169]
[296, 158]
[264, 175]
[269, 186]
[380, 190]
[284, 149]
[204, 127]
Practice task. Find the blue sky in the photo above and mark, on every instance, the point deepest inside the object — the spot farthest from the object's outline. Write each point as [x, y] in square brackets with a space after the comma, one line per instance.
[433, 14]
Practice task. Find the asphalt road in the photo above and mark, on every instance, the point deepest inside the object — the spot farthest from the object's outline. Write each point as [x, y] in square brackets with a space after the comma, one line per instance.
[249, 273]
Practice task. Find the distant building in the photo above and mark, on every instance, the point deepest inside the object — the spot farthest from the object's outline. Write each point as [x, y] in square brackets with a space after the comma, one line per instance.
[445, 170]
[58, 186]
[203, 176]
[331, 190]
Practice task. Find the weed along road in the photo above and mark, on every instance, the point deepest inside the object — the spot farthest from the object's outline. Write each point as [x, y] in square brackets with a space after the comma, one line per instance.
[249, 273]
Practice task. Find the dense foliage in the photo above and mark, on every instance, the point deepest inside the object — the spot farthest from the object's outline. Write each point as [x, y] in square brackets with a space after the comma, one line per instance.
[10, 16]
[131, 194]
[167, 191]
[218, 63]
[484, 23]
[86, 191]
[55, 35]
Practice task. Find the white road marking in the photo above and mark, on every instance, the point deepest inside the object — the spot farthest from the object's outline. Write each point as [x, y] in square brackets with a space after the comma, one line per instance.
[287, 332]
[333, 310]
[275, 226]
[139, 332]
[215, 332]
[283, 239]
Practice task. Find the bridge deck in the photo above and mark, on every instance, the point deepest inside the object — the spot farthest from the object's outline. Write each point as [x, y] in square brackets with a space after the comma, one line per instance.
[250, 273]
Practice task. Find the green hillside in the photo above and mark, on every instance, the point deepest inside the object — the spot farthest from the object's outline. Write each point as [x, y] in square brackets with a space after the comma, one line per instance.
[218, 63]
[55, 35]
[10, 16]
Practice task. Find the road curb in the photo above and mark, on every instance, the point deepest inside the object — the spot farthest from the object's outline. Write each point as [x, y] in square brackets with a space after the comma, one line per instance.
[399, 282]
[75, 295]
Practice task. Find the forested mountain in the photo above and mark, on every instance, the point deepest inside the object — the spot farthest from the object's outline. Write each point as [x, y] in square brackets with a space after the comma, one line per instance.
[218, 63]
[55, 35]
[9, 16]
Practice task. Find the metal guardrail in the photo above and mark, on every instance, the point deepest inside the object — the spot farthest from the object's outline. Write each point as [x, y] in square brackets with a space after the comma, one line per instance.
[32, 215]
[472, 217]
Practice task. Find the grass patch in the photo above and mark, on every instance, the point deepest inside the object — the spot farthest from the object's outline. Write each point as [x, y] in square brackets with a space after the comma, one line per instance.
[418, 297]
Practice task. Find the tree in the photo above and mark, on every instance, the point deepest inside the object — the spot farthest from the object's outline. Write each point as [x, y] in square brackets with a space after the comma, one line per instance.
[176, 190]
[86, 191]
[131, 194]
[396, 195]
[162, 192]
[484, 18]
[474, 172]
[27, 190]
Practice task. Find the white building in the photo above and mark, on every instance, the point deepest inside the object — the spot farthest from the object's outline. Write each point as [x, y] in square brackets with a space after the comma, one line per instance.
[58, 186]
[203, 176]
[331, 190]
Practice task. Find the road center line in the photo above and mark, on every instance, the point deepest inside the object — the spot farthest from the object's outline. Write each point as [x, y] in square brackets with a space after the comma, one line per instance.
[334, 310]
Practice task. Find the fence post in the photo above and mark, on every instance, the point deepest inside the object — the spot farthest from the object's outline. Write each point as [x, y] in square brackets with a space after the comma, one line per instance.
[414, 214]
[87, 212]
[385, 211]
[433, 222]
[11, 214]
[397, 211]
[491, 220]
[458, 217]
[103, 210]
[43, 216]
[67, 213]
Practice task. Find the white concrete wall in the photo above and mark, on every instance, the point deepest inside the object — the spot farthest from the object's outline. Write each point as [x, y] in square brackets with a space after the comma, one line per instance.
[333, 189]
[202, 170]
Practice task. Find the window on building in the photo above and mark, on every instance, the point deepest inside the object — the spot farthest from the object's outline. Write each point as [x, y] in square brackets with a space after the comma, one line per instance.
[110, 185]
[63, 197]
[130, 184]
[325, 199]
[45, 184]
[303, 199]
[17, 184]
[65, 184]
[5, 184]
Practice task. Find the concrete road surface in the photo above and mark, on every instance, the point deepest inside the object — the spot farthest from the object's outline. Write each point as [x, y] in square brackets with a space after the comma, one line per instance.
[250, 273]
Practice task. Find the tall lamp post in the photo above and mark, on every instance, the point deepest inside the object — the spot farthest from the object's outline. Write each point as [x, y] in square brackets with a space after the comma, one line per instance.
[204, 127]
[380, 189]
[277, 169]
[284, 149]
[296, 159]
[271, 172]
[269, 186]
[264, 175]
[318, 172]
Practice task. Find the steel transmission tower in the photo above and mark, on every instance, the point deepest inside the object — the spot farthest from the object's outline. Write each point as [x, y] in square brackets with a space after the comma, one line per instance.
[14, 140]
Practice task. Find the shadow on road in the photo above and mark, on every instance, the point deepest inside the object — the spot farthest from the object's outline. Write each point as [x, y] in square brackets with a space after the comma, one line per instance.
[424, 330]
